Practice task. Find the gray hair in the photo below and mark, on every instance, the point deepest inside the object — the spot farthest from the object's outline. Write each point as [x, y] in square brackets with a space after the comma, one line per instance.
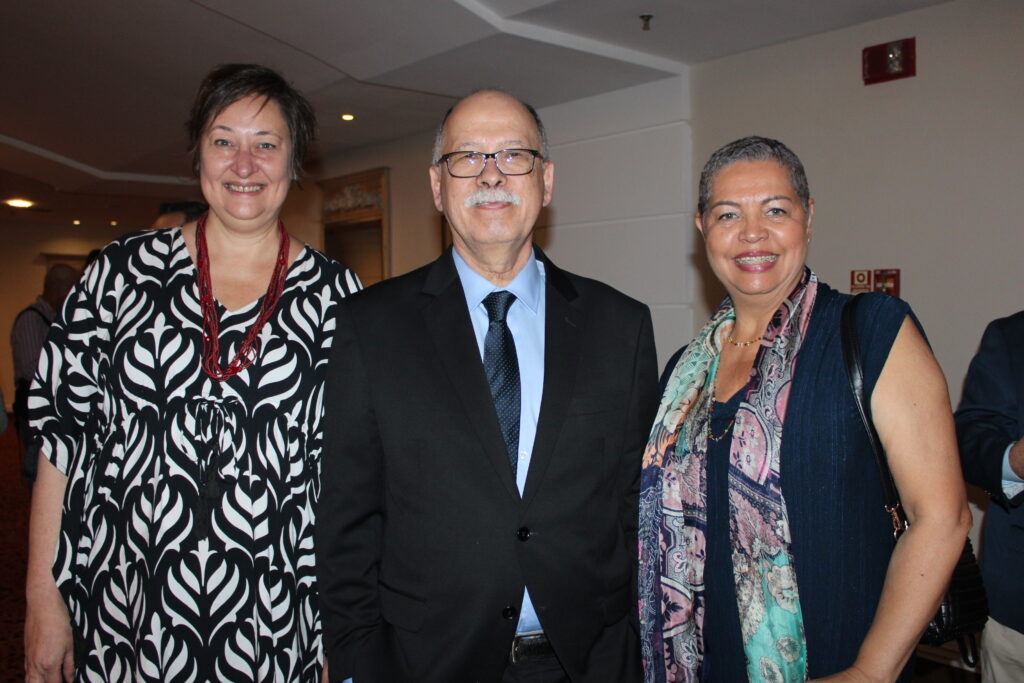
[753, 148]
[545, 151]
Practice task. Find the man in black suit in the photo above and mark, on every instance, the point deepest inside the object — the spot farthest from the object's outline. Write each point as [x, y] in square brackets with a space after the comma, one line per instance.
[989, 426]
[486, 420]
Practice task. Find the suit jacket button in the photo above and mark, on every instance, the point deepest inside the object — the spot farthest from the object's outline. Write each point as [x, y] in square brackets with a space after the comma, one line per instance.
[523, 533]
[509, 613]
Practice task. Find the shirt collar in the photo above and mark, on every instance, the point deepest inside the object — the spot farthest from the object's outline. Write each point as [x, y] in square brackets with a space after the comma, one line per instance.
[528, 285]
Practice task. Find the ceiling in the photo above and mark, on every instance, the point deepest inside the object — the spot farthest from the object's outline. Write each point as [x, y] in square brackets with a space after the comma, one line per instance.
[95, 92]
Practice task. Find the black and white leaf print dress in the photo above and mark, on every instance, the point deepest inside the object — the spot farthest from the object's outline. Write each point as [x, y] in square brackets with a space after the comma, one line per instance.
[186, 544]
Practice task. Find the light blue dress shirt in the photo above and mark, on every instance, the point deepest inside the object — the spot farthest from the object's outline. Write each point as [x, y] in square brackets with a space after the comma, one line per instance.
[525, 320]
[1012, 484]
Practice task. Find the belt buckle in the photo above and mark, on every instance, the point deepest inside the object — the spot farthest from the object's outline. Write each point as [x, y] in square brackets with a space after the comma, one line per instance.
[514, 656]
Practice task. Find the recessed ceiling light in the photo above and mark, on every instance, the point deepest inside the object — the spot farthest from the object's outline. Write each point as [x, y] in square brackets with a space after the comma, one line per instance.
[20, 203]
[76, 222]
[348, 117]
[113, 224]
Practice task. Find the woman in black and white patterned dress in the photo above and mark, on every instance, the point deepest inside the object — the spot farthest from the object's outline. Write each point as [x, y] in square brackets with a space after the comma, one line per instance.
[180, 399]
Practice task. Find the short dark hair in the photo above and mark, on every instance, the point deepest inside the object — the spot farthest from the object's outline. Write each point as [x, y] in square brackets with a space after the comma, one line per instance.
[753, 148]
[228, 83]
[192, 210]
[545, 151]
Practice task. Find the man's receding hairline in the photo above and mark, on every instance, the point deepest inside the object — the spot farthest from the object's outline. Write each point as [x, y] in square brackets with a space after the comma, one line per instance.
[441, 136]
[500, 94]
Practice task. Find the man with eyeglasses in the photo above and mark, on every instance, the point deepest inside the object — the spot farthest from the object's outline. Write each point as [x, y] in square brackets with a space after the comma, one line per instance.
[487, 415]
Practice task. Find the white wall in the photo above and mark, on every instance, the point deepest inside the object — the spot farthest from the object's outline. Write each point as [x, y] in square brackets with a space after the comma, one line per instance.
[624, 193]
[921, 174]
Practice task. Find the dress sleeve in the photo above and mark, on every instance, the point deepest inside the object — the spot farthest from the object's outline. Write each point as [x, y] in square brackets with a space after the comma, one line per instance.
[65, 403]
[879, 318]
[350, 282]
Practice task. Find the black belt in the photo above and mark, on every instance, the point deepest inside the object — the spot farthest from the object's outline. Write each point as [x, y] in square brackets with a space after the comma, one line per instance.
[530, 646]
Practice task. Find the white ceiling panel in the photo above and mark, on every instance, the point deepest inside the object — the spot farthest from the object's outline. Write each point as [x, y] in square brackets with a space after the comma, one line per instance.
[362, 37]
[513, 8]
[540, 73]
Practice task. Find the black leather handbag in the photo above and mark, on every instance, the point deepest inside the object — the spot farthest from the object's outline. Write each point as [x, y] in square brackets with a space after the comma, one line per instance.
[964, 609]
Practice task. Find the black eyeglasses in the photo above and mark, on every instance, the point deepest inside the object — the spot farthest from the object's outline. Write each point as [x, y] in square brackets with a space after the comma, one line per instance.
[472, 164]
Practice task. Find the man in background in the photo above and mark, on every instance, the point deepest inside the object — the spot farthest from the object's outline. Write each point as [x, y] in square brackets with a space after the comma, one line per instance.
[173, 214]
[28, 334]
[989, 427]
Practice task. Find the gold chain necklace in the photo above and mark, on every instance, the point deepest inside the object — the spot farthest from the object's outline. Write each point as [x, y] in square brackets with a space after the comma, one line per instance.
[743, 343]
[711, 414]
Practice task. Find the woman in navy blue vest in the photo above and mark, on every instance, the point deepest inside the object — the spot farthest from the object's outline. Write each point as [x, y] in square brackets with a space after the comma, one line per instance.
[766, 554]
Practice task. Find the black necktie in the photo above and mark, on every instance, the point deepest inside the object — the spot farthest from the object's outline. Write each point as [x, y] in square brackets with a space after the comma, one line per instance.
[502, 368]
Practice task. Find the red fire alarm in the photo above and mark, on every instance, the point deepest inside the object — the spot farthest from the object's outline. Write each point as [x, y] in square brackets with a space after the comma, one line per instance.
[887, 281]
[889, 61]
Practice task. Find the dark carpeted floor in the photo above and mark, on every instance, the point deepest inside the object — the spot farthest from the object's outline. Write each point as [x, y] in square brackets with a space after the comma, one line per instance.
[14, 500]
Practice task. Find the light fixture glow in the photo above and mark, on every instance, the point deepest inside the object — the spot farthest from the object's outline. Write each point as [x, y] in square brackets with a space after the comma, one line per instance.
[348, 117]
[113, 224]
[20, 203]
[76, 222]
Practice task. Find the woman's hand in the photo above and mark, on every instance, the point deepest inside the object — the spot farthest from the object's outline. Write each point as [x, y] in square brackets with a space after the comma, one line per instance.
[49, 651]
[49, 648]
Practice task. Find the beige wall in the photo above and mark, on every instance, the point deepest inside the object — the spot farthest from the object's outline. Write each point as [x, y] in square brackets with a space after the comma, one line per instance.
[623, 194]
[921, 174]
[415, 224]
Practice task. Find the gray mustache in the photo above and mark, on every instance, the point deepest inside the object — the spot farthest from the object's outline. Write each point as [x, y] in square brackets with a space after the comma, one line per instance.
[486, 196]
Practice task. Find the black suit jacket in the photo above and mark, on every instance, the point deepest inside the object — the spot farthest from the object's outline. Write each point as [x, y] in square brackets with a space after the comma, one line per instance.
[990, 418]
[423, 542]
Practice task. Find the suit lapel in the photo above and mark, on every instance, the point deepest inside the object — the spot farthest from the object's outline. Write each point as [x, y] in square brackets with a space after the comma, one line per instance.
[563, 335]
[447, 321]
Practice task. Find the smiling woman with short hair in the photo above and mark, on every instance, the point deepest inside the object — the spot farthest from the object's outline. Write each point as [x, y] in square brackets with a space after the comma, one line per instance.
[765, 551]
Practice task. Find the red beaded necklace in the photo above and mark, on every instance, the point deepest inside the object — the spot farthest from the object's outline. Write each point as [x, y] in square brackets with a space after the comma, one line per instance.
[211, 324]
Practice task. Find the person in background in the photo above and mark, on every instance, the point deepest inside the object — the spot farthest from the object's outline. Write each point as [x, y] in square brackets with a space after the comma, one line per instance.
[178, 406]
[990, 427]
[766, 552]
[172, 214]
[3, 414]
[28, 334]
[486, 415]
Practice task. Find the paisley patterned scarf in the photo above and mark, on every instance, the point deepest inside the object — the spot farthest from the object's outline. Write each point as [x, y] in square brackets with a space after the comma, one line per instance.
[673, 507]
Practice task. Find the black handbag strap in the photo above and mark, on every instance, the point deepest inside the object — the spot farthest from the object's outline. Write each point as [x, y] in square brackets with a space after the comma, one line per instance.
[854, 372]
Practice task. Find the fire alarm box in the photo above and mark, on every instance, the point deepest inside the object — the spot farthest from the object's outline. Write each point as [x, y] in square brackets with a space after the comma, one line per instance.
[889, 61]
[887, 281]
